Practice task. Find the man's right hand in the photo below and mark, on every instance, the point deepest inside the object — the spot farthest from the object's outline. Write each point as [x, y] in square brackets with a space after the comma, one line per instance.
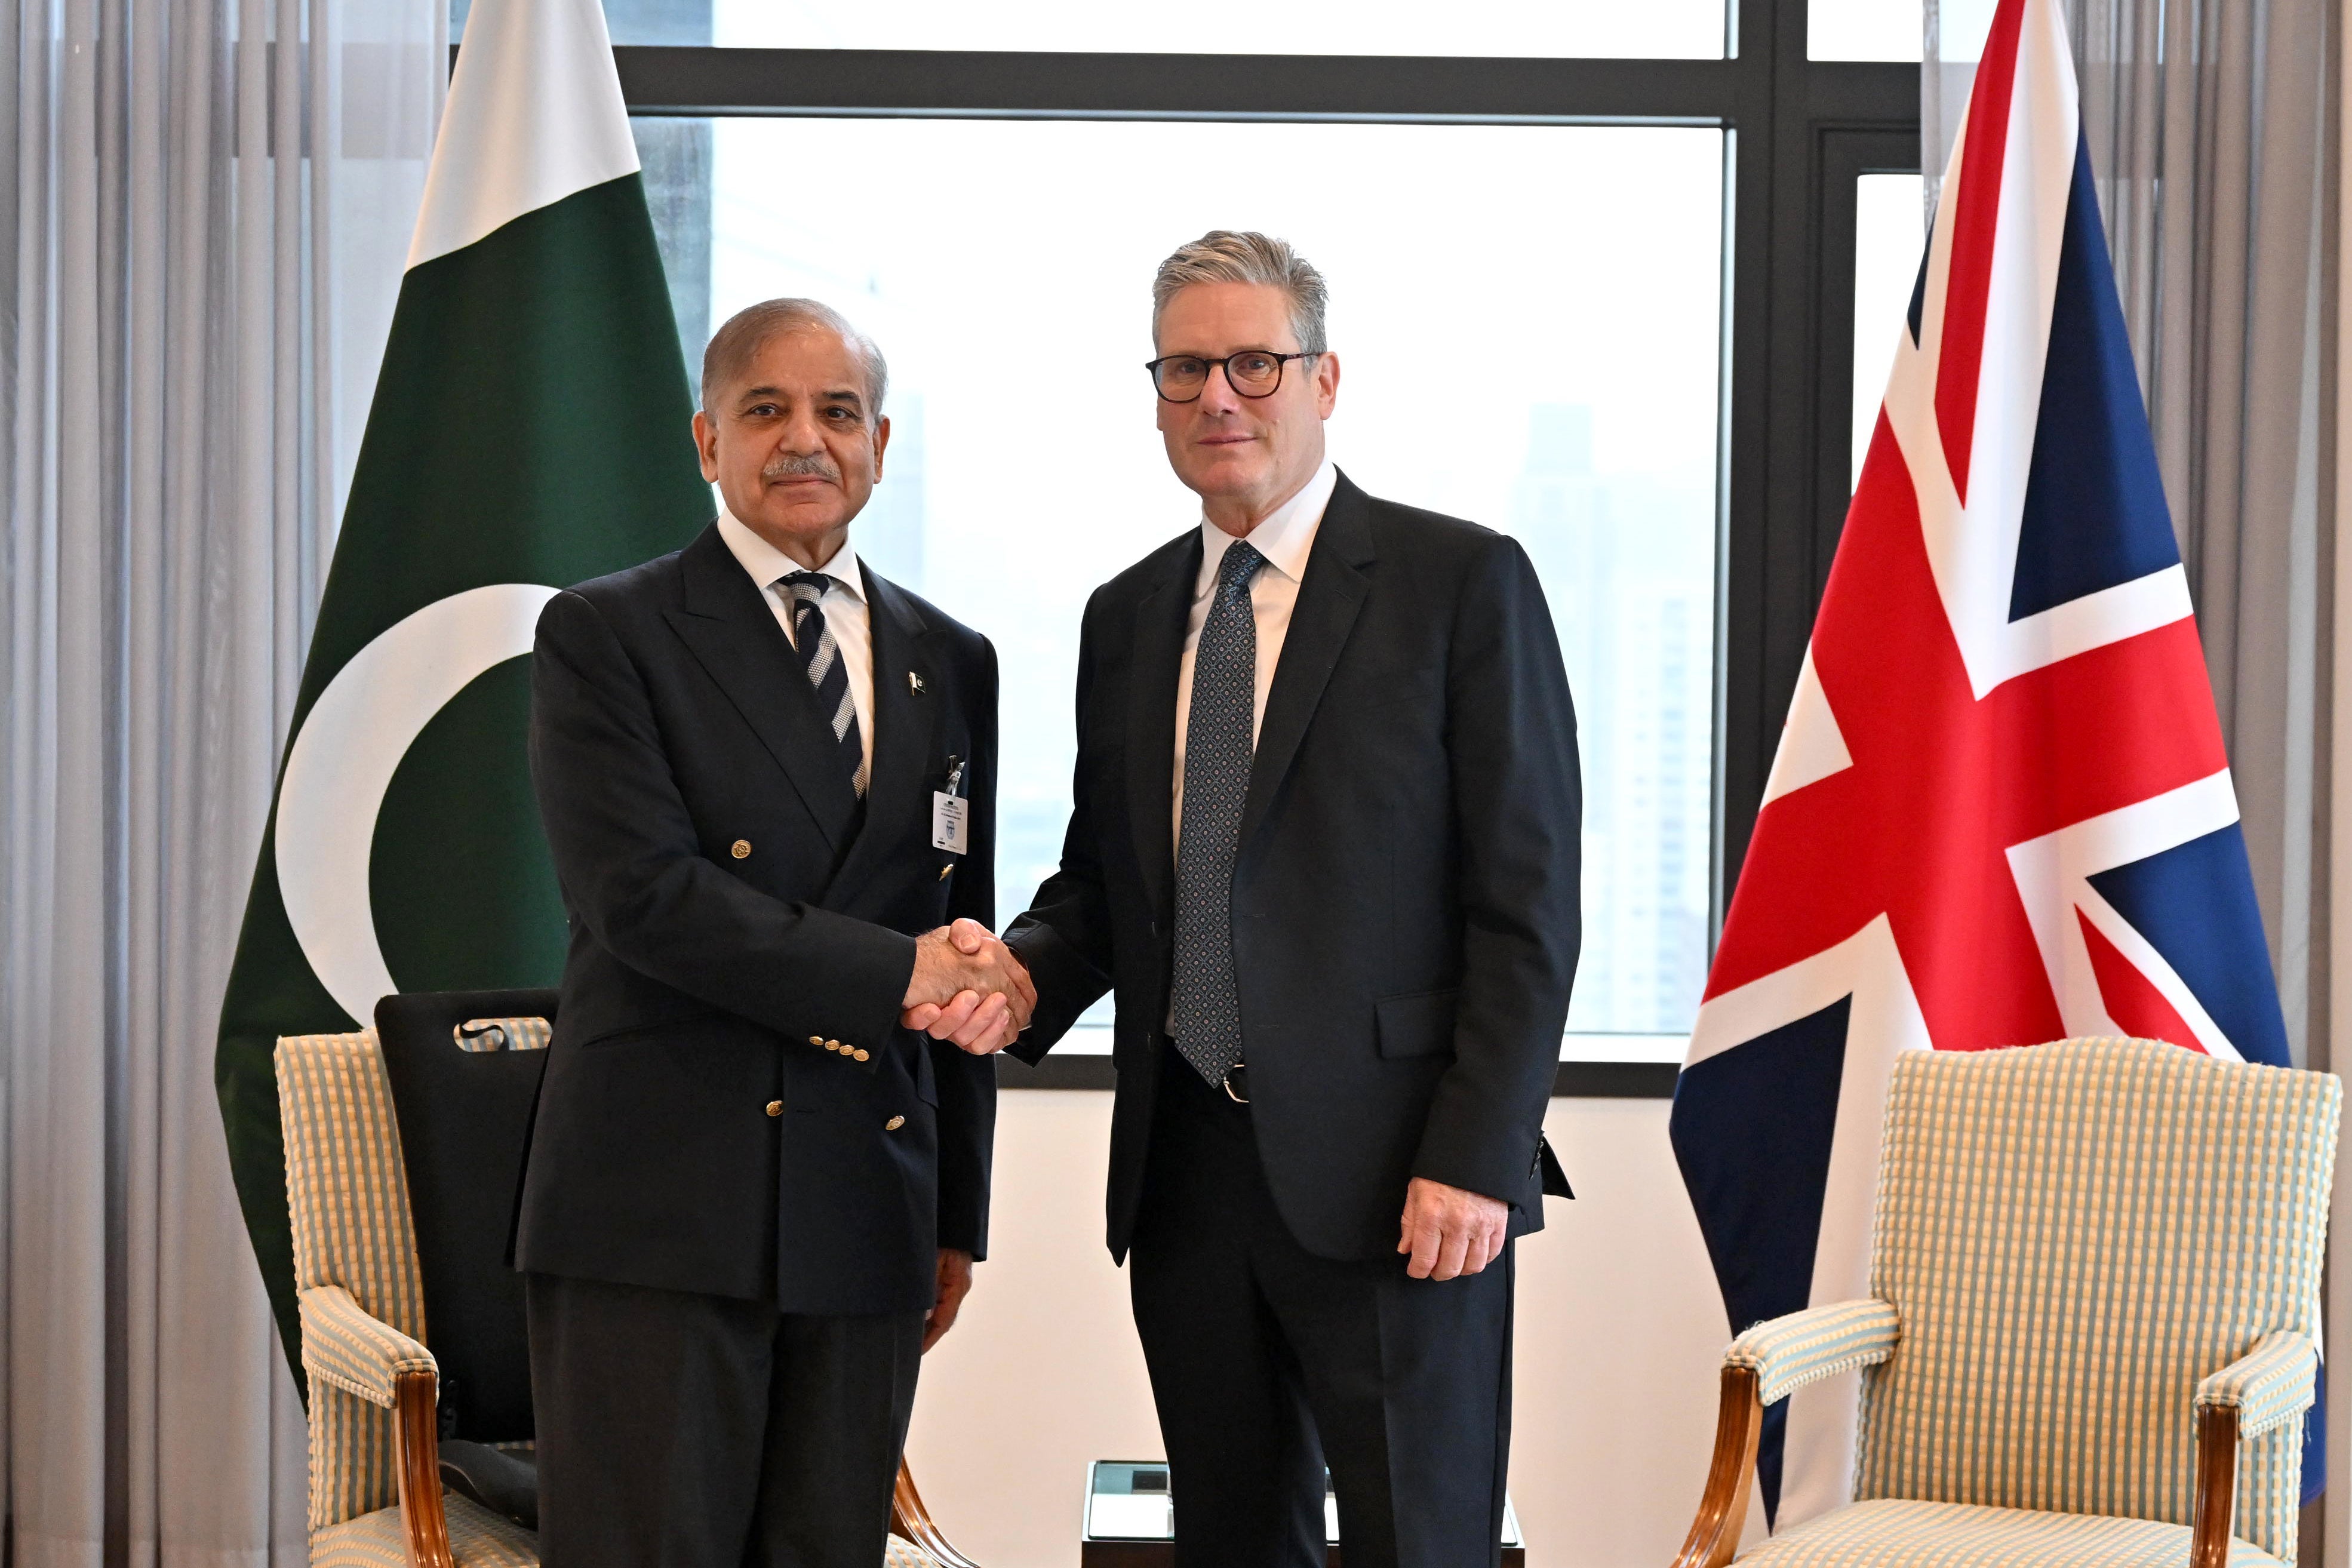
[969, 987]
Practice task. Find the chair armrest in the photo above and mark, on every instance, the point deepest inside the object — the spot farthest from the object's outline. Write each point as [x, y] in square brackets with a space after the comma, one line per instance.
[341, 1344]
[1714, 1536]
[363, 1355]
[910, 1520]
[1761, 1367]
[2270, 1385]
[1786, 1354]
[2217, 1482]
[416, 1465]
[2262, 1390]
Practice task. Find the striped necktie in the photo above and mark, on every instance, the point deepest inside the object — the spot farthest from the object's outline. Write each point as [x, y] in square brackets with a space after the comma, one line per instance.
[821, 656]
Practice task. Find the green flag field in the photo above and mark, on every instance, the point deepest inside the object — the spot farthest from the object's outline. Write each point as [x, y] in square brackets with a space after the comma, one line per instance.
[530, 428]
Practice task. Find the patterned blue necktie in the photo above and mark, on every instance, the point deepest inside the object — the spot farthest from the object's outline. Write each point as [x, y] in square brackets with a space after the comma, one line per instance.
[1218, 745]
[813, 640]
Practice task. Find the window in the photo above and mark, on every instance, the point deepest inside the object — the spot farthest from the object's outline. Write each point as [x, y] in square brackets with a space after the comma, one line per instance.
[1864, 29]
[1633, 326]
[1498, 364]
[1658, 28]
[1890, 229]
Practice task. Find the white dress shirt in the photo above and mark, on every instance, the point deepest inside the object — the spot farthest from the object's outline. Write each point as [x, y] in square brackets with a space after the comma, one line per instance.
[843, 606]
[1285, 537]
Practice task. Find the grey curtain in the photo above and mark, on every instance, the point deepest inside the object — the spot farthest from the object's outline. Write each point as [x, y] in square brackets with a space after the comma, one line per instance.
[210, 203]
[2210, 128]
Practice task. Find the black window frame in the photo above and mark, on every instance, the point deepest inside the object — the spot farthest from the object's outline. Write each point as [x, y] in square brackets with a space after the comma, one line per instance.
[1799, 132]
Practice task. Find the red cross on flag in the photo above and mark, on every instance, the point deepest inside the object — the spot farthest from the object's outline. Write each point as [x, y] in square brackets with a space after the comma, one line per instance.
[2002, 812]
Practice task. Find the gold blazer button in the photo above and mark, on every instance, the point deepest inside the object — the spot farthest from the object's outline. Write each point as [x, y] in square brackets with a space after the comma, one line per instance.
[894, 1124]
[835, 1046]
[816, 1039]
[742, 851]
[775, 1107]
[861, 1055]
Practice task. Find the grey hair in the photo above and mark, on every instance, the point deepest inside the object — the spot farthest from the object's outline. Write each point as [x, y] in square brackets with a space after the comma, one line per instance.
[1228, 256]
[733, 344]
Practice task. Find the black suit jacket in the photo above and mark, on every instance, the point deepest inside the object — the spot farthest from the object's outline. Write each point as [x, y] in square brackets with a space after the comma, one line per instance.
[733, 908]
[1404, 905]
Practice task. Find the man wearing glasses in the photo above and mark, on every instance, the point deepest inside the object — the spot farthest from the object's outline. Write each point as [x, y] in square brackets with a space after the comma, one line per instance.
[1325, 849]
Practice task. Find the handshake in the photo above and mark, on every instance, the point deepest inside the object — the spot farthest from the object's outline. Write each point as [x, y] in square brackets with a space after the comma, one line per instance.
[969, 988]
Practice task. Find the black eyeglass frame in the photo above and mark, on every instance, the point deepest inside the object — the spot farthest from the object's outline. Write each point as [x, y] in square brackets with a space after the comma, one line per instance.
[1226, 364]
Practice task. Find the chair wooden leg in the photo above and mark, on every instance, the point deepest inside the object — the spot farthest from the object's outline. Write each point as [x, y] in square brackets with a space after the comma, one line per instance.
[416, 1437]
[1730, 1476]
[911, 1519]
[2217, 1485]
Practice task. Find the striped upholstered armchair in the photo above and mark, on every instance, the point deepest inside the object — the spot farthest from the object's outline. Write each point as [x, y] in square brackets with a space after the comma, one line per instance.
[2095, 1294]
[376, 1494]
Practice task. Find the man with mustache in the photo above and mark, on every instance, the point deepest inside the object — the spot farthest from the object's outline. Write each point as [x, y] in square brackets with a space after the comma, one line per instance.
[752, 1199]
[1324, 842]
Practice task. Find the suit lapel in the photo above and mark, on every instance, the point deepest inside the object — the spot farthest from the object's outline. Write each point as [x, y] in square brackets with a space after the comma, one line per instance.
[1329, 598]
[906, 730]
[1159, 654]
[727, 625]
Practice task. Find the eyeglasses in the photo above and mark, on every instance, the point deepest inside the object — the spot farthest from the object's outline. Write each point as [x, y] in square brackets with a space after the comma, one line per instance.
[1252, 373]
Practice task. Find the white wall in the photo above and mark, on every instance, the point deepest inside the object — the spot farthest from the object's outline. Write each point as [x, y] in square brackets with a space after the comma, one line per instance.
[1619, 1331]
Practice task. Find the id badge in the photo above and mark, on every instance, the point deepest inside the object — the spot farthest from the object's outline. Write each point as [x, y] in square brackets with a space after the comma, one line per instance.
[951, 822]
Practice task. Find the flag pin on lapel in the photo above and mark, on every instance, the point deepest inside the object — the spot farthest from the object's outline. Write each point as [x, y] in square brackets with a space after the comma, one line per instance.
[914, 681]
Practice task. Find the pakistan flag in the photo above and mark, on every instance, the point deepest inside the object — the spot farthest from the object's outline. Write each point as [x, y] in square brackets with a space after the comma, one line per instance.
[529, 429]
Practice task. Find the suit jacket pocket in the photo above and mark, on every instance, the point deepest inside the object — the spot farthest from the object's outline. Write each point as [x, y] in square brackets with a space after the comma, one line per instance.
[1375, 693]
[1419, 1025]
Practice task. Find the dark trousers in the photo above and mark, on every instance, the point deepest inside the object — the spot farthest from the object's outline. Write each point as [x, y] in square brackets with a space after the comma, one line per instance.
[696, 1431]
[1269, 1362]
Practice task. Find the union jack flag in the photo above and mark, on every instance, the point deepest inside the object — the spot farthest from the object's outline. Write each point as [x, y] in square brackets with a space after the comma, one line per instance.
[2001, 813]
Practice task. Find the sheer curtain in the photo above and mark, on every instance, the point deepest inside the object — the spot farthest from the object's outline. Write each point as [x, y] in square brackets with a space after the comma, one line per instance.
[211, 202]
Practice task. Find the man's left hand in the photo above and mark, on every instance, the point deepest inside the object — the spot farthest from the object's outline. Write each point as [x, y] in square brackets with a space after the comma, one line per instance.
[1449, 1232]
[955, 1284]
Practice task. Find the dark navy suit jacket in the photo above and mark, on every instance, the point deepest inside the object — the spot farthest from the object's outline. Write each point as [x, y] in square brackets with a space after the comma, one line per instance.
[1404, 903]
[729, 1105]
